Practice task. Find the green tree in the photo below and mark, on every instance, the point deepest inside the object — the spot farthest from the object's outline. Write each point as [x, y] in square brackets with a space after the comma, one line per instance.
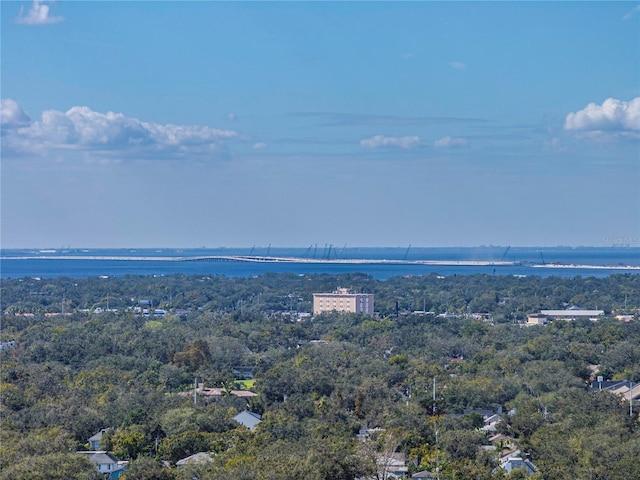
[195, 356]
[145, 468]
[53, 466]
[184, 445]
[130, 442]
[460, 444]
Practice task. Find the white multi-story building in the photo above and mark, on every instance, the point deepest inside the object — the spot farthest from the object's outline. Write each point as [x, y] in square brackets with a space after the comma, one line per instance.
[342, 300]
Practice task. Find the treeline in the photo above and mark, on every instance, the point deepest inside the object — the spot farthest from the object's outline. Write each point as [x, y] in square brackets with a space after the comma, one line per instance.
[318, 380]
[507, 298]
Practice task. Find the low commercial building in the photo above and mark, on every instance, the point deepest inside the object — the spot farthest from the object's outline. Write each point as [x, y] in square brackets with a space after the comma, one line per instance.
[536, 319]
[342, 300]
[572, 313]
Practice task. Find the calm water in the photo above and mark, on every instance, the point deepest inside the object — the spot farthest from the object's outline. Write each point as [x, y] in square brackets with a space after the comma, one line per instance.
[29, 263]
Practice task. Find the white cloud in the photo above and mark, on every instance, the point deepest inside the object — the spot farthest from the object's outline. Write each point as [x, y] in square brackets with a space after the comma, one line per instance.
[554, 144]
[81, 128]
[259, 145]
[632, 13]
[11, 114]
[379, 141]
[614, 116]
[458, 65]
[38, 14]
[450, 142]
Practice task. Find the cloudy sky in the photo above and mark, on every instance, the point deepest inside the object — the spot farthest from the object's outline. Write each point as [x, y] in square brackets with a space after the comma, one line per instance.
[189, 124]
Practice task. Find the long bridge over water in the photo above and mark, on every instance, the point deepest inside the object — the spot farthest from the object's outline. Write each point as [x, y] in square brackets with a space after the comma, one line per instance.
[264, 259]
[346, 261]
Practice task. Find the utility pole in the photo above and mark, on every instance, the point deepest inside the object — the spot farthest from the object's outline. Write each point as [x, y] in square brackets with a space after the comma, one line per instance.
[435, 416]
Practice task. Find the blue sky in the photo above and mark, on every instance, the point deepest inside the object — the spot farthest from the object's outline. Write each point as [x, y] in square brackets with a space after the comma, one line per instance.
[189, 124]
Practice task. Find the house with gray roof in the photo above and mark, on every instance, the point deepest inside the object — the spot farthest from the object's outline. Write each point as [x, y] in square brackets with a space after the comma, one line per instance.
[516, 462]
[249, 419]
[94, 441]
[513, 460]
[106, 463]
[198, 458]
[424, 474]
[392, 467]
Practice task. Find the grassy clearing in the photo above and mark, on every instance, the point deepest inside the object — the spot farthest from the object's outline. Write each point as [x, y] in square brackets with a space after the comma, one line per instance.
[246, 384]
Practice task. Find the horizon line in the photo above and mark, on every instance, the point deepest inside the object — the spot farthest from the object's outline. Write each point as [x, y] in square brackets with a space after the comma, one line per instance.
[326, 246]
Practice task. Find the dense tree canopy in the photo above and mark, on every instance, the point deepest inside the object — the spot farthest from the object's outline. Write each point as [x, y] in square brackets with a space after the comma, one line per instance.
[318, 380]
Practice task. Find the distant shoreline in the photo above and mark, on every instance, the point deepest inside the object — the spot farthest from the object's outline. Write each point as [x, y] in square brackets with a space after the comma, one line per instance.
[55, 250]
[609, 267]
[301, 260]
